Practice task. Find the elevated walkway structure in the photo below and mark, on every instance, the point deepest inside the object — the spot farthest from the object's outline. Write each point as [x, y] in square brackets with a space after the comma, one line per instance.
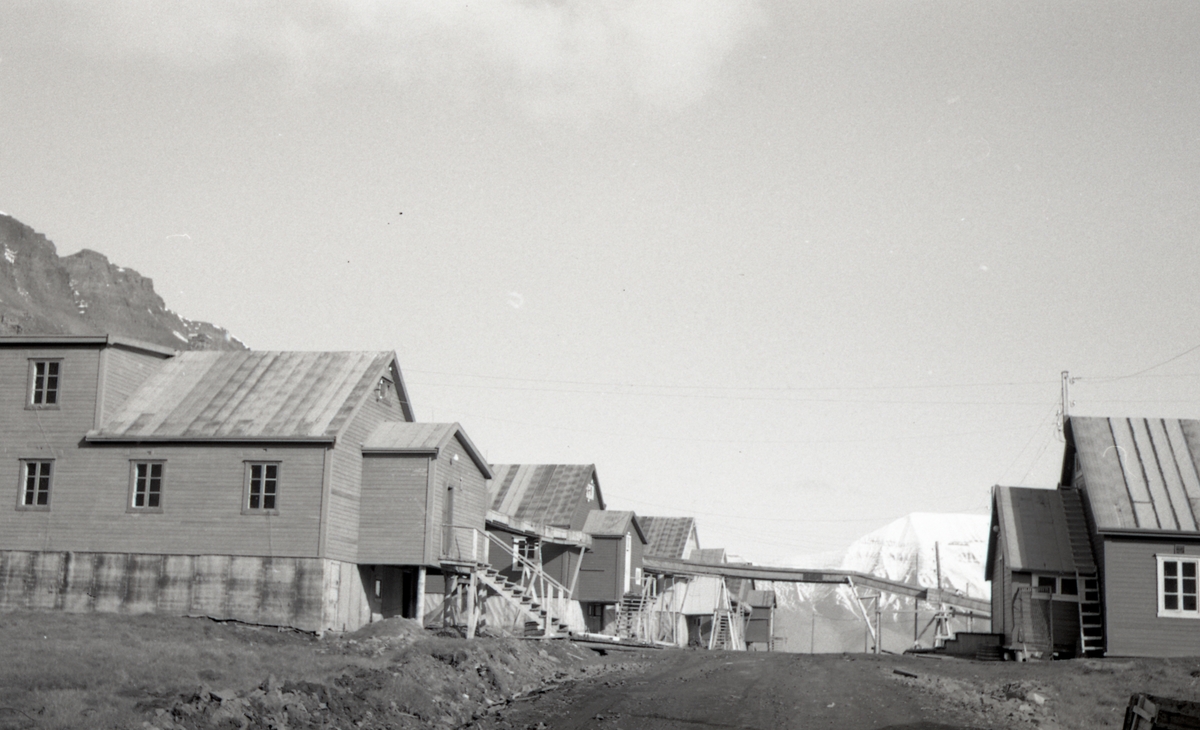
[949, 603]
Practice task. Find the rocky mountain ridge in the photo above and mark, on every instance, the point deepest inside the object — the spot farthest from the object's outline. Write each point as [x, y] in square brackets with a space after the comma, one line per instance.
[86, 294]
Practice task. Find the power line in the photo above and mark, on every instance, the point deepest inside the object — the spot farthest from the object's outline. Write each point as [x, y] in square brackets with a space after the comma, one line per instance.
[714, 396]
[732, 387]
[791, 442]
[1188, 351]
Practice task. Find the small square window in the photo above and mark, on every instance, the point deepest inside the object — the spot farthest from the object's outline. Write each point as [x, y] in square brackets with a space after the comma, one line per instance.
[36, 479]
[146, 485]
[262, 488]
[1177, 586]
[1047, 583]
[44, 381]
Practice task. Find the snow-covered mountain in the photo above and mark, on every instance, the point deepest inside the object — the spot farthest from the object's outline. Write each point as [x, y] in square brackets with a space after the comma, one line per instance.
[826, 618]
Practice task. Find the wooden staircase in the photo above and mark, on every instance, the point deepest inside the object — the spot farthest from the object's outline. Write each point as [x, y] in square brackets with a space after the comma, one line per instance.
[629, 614]
[722, 632]
[1087, 581]
[540, 622]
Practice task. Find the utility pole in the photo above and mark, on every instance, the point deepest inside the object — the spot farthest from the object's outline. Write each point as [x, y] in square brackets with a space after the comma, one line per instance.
[1066, 396]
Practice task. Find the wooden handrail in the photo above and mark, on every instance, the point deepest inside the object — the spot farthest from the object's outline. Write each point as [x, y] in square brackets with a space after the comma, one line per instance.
[535, 570]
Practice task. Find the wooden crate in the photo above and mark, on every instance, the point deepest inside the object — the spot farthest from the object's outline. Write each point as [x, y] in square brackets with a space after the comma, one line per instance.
[1146, 712]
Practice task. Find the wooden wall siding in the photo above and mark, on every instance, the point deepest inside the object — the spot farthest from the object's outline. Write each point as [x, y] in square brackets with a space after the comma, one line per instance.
[600, 574]
[1131, 602]
[124, 371]
[342, 536]
[470, 499]
[201, 502]
[392, 521]
[303, 593]
[45, 433]
[559, 562]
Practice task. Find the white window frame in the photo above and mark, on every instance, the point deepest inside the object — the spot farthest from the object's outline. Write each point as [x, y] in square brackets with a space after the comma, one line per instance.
[32, 391]
[132, 505]
[247, 495]
[24, 493]
[1180, 612]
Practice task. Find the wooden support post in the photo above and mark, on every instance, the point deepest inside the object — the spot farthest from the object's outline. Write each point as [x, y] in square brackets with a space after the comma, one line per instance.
[419, 612]
[575, 574]
[451, 581]
[472, 609]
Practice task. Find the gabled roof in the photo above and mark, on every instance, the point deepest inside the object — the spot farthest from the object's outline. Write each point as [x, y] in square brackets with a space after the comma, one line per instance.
[400, 437]
[667, 537]
[545, 493]
[239, 396]
[1140, 474]
[612, 523]
[1030, 527]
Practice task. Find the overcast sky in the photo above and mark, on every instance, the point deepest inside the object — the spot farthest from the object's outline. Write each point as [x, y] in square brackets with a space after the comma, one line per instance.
[794, 268]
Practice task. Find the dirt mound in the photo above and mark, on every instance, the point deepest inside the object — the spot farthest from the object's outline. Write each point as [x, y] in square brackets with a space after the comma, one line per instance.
[430, 682]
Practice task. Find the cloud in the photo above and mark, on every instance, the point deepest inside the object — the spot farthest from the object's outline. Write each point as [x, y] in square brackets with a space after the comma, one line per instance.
[548, 57]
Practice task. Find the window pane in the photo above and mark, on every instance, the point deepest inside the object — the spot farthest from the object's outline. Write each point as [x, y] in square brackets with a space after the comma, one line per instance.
[1069, 587]
[1170, 567]
[271, 471]
[1189, 569]
[1171, 603]
[1045, 582]
[1189, 586]
[1170, 585]
[1189, 603]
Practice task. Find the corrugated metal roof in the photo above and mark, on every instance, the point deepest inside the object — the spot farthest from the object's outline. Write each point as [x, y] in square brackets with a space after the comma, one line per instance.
[547, 494]
[1033, 530]
[612, 523]
[1139, 473]
[667, 537]
[251, 395]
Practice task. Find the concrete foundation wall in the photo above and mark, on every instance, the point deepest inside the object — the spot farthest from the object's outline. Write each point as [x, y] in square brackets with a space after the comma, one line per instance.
[310, 594]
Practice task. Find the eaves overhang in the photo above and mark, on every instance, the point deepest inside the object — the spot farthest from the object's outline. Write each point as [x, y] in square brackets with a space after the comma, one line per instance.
[122, 439]
[1147, 533]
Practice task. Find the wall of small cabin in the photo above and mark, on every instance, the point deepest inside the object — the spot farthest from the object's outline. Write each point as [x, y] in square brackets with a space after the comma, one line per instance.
[470, 504]
[392, 523]
[559, 562]
[345, 478]
[600, 574]
[1001, 595]
[1130, 589]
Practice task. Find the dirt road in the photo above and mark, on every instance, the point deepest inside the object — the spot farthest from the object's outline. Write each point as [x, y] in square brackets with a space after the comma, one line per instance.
[680, 689]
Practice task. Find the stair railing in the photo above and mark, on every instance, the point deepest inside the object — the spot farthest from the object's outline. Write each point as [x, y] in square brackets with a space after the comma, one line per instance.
[533, 578]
